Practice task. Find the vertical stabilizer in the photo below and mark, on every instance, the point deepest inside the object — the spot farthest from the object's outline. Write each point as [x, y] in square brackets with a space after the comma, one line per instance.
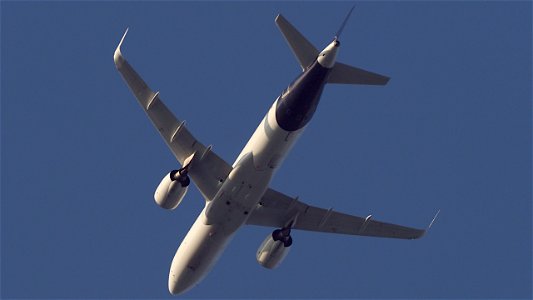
[306, 54]
[338, 34]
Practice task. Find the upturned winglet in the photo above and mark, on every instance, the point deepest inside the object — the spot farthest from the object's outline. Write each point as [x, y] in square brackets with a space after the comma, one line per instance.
[432, 221]
[118, 55]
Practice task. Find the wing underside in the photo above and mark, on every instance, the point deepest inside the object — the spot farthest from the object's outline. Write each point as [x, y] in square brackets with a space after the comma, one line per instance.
[277, 210]
[209, 170]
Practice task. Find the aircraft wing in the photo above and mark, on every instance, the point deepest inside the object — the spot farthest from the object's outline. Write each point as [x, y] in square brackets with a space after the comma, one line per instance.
[209, 170]
[278, 210]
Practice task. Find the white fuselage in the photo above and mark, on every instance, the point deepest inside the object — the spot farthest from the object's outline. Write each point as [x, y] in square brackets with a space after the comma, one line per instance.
[239, 195]
[247, 182]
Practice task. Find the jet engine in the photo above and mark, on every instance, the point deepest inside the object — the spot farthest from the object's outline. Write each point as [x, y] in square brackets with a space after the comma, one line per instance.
[172, 189]
[274, 248]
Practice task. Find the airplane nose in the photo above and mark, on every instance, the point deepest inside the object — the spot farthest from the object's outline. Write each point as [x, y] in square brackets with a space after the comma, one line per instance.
[175, 289]
[179, 284]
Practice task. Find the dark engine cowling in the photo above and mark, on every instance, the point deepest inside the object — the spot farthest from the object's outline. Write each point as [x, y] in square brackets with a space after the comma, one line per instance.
[172, 189]
[274, 249]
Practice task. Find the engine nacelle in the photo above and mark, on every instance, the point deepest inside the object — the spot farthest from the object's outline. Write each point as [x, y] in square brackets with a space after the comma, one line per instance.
[172, 189]
[272, 252]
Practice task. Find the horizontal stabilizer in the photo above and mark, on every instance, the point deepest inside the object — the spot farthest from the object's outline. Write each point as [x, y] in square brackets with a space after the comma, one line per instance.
[346, 74]
[304, 51]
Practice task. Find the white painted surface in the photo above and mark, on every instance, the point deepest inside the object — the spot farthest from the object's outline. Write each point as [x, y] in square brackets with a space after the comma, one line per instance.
[239, 195]
[328, 56]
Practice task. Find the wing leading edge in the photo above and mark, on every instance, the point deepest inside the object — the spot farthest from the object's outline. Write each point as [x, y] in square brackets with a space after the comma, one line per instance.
[209, 170]
[277, 210]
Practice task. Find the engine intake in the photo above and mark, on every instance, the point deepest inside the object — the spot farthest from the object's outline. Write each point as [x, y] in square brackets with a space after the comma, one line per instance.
[172, 189]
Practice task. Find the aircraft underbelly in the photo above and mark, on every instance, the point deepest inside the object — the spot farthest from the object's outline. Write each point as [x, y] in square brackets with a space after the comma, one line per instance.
[269, 144]
[238, 196]
[252, 171]
[197, 254]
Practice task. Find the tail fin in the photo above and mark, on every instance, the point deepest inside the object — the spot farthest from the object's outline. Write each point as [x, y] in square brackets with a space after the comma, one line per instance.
[338, 34]
[306, 54]
[346, 74]
[304, 51]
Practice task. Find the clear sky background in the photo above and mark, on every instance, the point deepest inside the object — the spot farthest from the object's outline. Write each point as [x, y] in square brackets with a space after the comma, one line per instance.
[451, 131]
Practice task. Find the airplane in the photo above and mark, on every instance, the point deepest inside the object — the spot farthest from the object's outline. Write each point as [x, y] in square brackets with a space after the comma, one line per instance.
[239, 194]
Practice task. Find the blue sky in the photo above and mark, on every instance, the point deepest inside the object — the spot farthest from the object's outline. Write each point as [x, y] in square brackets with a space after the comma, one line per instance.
[451, 131]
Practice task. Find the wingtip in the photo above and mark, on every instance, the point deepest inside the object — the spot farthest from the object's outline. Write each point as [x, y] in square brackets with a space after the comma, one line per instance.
[432, 222]
[124, 36]
[117, 57]
[425, 231]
